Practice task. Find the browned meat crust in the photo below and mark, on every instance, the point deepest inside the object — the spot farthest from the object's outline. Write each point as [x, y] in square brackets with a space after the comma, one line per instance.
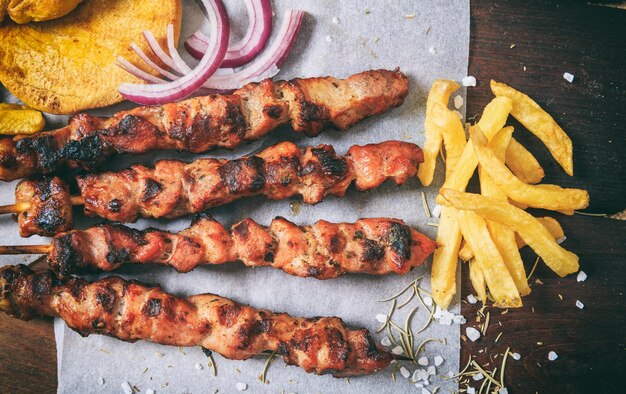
[174, 188]
[203, 123]
[323, 251]
[131, 311]
[49, 208]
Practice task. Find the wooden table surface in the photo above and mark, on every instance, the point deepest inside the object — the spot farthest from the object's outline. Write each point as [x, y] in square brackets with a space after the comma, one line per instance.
[550, 38]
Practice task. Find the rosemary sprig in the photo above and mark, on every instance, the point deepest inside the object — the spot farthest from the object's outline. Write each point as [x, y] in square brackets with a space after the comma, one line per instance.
[263, 375]
[391, 310]
[506, 353]
[408, 299]
[599, 215]
[398, 294]
[485, 373]
[212, 364]
[533, 269]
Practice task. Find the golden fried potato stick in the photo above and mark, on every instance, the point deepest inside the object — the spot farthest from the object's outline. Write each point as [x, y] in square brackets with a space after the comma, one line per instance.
[551, 197]
[497, 276]
[503, 236]
[439, 93]
[523, 164]
[478, 280]
[540, 123]
[492, 120]
[531, 230]
[453, 135]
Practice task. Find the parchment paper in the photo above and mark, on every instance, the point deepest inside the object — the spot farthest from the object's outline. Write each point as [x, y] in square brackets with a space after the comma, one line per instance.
[427, 40]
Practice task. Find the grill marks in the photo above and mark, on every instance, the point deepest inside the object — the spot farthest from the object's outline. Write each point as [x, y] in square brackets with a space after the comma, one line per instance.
[323, 251]
[203, 123]
[173, 188]
[50, 209]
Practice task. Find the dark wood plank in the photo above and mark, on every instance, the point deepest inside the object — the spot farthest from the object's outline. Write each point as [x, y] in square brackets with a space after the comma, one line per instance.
[587, 41]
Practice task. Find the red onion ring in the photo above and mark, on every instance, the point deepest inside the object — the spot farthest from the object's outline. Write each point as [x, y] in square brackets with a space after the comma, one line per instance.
[256, 37]
[189, 83]
[152, 64]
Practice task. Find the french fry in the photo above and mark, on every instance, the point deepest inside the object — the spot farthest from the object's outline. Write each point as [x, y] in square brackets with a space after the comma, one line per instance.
[478, 280]
[528, 227]
[502, 236]
[445, 258]
[465, 252]
[453, 134]
[550, 224]
[439, 93]
[497, 276]
[540, 123]
[538, 196]
[493, 119]
[523, 164]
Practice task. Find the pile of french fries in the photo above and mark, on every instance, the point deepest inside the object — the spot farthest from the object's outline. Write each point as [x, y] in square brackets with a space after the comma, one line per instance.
[487, 229]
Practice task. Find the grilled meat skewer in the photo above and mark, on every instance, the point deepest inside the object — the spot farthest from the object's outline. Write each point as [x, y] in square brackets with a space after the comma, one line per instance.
[174, 188]
[323, 251]
[203, 123]
[132, 311]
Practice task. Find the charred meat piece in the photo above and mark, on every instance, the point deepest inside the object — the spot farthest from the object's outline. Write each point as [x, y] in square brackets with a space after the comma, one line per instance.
[203, 123]
[49, 210]
[323, 251]
[132, 311]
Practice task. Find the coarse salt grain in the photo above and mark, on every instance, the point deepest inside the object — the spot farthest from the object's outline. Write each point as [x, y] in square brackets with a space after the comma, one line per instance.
[458, 102]
[426, 382]
[385, 341]
[415, 376]
[561, 240]
[101, 381]
[503, 390]
[397, 350]
[432, 370]
[241, 386]
[428, 301]
[198, 366]
[437, 313]
[150, 391]
[516, 356]
[425, 391]
[568, 77]
[432, 50]
[472, 333]
[581, 277]
[336, 20]
[552, 356]
[579, 304]
[445, 320]
[459, 319]
[405, 372]
[329, 38]
[423, 361]
[422, 374]
[438, 360]
[381, 318]
[469, 81]
[437, 211]
[126, 388]
[471, 390]
[478, 376]
[471, 299]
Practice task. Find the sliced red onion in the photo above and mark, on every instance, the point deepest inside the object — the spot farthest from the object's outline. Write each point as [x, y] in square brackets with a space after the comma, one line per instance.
[265, 65]
[137, 72]
[253, 42]
[171, 47]
[152, 64]
[158, 51]
[189, 83]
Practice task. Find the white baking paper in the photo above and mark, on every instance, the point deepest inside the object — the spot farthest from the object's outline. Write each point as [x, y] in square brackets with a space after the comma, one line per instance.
[427, 40]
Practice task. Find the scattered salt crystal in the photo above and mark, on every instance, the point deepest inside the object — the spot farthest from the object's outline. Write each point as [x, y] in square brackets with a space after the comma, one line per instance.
[423, 361]
[478, 376]
[419, 385]
[503, 390]
[459, 319]
[438, 360]
[426, 383]
[579, 304]
[432, 370]
[445, 320]
[552, 356]
[150, 391]
[471, 299]
[336, 20]
[568, 77]
[458, 102]
[329, 38]
[432, 50]
[397, 350]
[581, 276]
[516, 356]
[405, 372]
[126, 387]
[198, 366]
[101, 381]
[381, 318]
[472, 333]
[385, 341]
[428, 301]
[425, 391]
[422, 374]
[437, 313]
[471, 390]
[469, 81]
[437, 211]
[241, 386]
[450, 374]
[445, 313]
[561, 240]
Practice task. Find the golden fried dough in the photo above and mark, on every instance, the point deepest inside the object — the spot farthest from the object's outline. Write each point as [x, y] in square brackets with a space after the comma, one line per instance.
[24, 11]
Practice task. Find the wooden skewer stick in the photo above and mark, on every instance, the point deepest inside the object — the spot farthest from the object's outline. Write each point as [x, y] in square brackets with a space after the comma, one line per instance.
[25, 249]
[20, 207]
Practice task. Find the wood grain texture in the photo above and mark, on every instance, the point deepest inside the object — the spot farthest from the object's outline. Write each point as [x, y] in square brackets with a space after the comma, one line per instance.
[588, 41]
[550, 38]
